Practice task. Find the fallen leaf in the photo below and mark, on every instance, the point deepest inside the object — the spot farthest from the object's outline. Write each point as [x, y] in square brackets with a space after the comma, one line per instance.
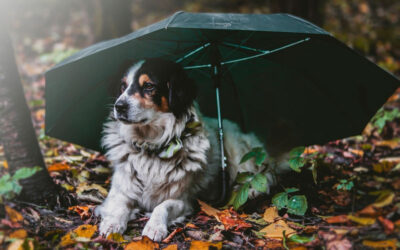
[4, 164]
[204, 245]
[387, 225]
[339, 244]
[231, 220]
[365, 221]
[275, 230]
[383, 166]
[83, 211]
[171, 247]
[58, 167]
[18, 234]
[369, 210]
[357, 152]
[337, 219]
[13, 214]
[384, 244]
[116, 237]
[16, 245]
[393, 144]
[271, 214]
[191, 225]
[81, 233]
[209, 210]
[384, 199]
[144, 244]
[172, 235]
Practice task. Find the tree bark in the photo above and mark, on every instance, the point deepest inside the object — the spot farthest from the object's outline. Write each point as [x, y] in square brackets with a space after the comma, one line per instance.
[311, 10]
[111, 19]
[17, 134]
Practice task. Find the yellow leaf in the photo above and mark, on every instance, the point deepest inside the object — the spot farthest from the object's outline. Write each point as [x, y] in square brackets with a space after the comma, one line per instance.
[393, 144]
[14, 215]
[365, 221]
[384, 244]
[19, 234]
[58, 167]
[16, 245]
[84, 187]
[357, 152]
[4, 164]
[203, 245]
[117, 237]
[144, 244]
[275, 230]
[171, 247]
[271, 214]
[384, 199]
[383, 166]
[81, 233]
[209, 210]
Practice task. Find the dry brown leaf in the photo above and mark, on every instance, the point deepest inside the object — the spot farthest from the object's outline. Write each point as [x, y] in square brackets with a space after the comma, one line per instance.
[58, 167]
[337, 219]
[171, 247]
[18, 234]
[81, 233]
[271, 214]
[203, 245]
[384, 244]
[365, 221]
[232, 220]
[209, 210]
[172, 235]
[387, 225]
[83, 211]
[357, 152]
[369, 211]
[144, 244]
[13, 214]
[191, 225]
[275, 230]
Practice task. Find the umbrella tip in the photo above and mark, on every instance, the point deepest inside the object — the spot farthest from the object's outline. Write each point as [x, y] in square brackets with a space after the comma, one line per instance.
[173, 17]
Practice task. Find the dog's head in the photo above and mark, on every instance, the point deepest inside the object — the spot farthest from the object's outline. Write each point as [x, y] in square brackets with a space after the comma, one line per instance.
[153, 87]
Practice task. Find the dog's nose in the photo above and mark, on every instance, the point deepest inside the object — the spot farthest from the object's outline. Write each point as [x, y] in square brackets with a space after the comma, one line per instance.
[121, 106]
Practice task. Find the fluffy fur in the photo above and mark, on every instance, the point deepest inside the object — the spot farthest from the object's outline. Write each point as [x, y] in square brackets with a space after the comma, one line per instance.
[140, 127]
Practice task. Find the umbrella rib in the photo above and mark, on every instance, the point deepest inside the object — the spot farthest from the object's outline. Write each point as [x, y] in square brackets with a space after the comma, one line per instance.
[239, 46]
[192, 52]
[265, 52]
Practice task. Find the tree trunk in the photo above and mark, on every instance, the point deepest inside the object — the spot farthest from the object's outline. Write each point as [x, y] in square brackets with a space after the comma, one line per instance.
[311, 10]
[17, 134]
[111, 19]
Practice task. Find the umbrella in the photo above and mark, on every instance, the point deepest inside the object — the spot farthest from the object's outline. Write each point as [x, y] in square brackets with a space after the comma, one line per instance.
[277, 75]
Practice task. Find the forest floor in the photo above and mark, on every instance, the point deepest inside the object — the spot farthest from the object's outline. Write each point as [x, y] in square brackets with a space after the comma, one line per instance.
[352, 189]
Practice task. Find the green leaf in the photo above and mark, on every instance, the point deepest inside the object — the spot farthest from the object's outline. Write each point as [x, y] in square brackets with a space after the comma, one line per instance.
[258, 153]
[280, 200]
[24, 173]
[5, 184]
[297, 163]
[297, 205]
[244, 177]
[296, 152]
[16, 187]
[301, 239]
[259, 183]
[241, 196]
[291, 190]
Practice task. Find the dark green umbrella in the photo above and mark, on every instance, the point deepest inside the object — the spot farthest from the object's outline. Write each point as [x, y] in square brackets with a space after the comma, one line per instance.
[279, 76]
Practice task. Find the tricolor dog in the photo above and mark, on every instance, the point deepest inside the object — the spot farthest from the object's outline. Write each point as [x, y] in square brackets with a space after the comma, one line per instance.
[164, 154]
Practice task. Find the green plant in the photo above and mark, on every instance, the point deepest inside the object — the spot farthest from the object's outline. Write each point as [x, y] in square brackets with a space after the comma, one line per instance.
[247, 179]
[9, 185]
[383, 116]
[298, 159]
[345, 185]
[296, 204]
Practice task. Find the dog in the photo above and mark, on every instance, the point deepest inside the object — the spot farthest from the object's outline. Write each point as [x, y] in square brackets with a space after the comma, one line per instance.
[164, 153]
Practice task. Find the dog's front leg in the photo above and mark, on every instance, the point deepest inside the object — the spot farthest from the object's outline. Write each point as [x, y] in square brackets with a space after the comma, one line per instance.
[165, 213]
[115, 212]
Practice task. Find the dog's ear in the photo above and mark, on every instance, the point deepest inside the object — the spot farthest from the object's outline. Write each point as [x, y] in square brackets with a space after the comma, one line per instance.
[182, 92]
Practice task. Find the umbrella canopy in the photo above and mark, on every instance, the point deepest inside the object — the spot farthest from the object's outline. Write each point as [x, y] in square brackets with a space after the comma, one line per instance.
[281, 77]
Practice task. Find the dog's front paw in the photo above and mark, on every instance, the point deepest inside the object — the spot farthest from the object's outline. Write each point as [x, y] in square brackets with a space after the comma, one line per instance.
[111, 225]
[155, 230]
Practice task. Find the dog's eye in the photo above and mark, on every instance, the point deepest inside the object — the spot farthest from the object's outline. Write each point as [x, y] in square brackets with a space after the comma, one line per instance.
[148, 86]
